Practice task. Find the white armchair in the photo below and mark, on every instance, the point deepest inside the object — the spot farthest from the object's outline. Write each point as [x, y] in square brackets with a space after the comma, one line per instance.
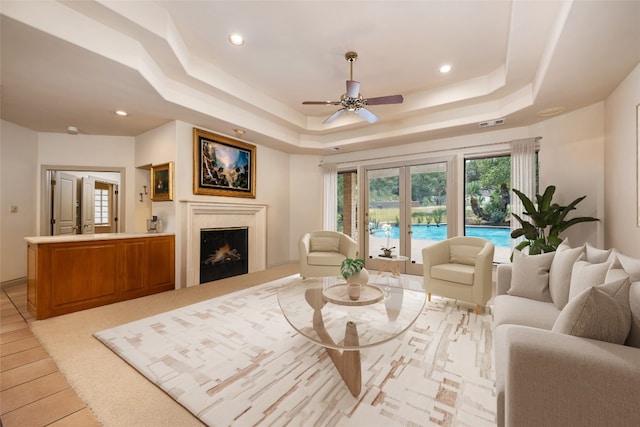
[322, 253]
[460, 268]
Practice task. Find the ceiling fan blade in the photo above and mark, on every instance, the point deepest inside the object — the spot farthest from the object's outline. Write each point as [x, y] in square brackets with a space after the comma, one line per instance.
[353, 88]
[321, 103]
[367, 115]
[392, 99]
[335, 115]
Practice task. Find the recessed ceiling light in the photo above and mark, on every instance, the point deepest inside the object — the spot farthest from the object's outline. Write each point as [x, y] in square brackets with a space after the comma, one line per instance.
[444, 69]
[122, 113]
[236, 39]
[73, 130]
[548, 112]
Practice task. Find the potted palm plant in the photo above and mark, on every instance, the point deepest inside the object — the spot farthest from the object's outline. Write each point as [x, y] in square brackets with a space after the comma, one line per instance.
[548, 220]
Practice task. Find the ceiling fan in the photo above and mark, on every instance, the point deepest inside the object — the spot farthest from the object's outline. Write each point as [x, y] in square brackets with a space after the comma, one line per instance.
[352, 100]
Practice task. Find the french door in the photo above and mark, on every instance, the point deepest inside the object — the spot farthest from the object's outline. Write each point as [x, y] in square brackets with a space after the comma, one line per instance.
[405, 210]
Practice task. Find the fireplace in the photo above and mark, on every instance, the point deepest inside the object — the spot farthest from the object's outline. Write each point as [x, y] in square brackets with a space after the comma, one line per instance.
[224, 252]
[199, 215]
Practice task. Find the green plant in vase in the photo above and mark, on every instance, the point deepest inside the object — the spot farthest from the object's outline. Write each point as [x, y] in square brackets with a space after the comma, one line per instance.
[356, 276]
[350, 267]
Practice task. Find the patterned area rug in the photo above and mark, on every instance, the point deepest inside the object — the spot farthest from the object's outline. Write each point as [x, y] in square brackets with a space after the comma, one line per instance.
[234, 360]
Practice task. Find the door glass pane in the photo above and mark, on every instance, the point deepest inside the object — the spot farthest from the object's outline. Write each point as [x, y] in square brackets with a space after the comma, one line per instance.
[428, 207]
[384, 211]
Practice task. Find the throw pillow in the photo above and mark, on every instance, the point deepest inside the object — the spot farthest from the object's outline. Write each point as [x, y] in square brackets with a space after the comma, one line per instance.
[464, 254]
[585, 275]
[560, 272]
[597, 314]
[596, 255]
[615, 274]
[325, 244]
[530, 276]
[630, 265]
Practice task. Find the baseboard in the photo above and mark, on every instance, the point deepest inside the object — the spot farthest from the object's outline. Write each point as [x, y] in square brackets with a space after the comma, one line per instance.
[14, 282]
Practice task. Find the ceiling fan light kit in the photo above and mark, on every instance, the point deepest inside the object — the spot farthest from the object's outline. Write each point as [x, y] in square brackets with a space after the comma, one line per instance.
[352, 99]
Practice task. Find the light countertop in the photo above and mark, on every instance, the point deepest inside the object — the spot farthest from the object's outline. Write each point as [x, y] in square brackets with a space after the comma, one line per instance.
[36, 240]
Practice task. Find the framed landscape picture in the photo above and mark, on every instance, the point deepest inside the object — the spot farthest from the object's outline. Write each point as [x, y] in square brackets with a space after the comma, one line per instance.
[162, 182]
[223, 166]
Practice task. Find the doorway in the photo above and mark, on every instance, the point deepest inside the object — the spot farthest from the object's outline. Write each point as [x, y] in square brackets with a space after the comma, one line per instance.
[406, 209]
[80, 200]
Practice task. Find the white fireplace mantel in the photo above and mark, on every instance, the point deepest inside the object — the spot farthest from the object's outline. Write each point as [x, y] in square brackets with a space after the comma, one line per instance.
[199, 215]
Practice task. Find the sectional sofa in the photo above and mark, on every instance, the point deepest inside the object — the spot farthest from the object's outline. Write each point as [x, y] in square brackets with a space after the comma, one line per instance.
[567, 339]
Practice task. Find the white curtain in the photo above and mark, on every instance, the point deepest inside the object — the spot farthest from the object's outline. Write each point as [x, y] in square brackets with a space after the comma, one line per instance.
[523, 177]
[330, 211]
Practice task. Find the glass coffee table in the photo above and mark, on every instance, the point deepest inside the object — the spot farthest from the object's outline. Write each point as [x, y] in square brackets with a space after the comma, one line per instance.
[320, 310]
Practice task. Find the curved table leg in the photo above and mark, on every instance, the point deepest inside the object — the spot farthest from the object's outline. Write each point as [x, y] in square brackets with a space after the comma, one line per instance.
[347, 362]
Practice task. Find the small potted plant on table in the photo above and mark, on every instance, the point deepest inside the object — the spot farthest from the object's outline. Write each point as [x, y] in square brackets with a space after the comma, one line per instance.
[355, 274]
[386, 250]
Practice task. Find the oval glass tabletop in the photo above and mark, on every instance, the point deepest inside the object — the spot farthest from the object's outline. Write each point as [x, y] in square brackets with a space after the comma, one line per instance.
[307, 308]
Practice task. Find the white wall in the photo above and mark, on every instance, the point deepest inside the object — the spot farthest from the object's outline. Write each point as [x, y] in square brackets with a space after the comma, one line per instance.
[18, 167]
[621, 162]
[306, 189]
[156, 147]
[571, 158]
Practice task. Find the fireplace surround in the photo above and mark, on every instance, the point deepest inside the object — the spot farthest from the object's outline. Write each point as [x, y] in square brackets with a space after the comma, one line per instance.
[207, 215]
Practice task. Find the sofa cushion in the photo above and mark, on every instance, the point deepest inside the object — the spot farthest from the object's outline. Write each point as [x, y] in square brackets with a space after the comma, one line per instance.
[324, 244]
[560, 272]
[464, 254]
[585, 275]
[600, 312]
[325, 258]
[513, 310]
[459, 273]
[530, 276]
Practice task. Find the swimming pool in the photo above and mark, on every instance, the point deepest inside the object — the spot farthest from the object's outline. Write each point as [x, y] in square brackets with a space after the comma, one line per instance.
[499, 236]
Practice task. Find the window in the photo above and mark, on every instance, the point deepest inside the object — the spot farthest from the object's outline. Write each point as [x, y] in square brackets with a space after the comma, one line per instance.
[101, 214]
[487, 202]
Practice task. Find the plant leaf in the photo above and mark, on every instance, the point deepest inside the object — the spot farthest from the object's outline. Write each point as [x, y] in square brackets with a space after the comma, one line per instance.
[526, 202]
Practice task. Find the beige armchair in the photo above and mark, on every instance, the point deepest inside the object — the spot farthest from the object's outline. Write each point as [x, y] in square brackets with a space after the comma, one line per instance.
[459, 268]
[322, 253]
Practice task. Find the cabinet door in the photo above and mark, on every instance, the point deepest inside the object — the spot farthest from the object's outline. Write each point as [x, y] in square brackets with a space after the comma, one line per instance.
[161, 262]
[133, 265]
[83, 275]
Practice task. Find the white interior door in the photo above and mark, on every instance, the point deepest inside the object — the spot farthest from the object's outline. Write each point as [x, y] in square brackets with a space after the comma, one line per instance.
[87, 205]
[65, 203]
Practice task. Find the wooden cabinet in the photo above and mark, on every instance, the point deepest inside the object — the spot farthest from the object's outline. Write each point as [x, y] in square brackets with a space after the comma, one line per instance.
[69, 276]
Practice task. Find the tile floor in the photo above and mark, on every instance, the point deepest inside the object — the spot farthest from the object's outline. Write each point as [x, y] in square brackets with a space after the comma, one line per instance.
[32, 390]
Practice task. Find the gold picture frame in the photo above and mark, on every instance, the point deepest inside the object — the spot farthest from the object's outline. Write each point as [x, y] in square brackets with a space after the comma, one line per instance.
[223, 166]
[162, 182]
